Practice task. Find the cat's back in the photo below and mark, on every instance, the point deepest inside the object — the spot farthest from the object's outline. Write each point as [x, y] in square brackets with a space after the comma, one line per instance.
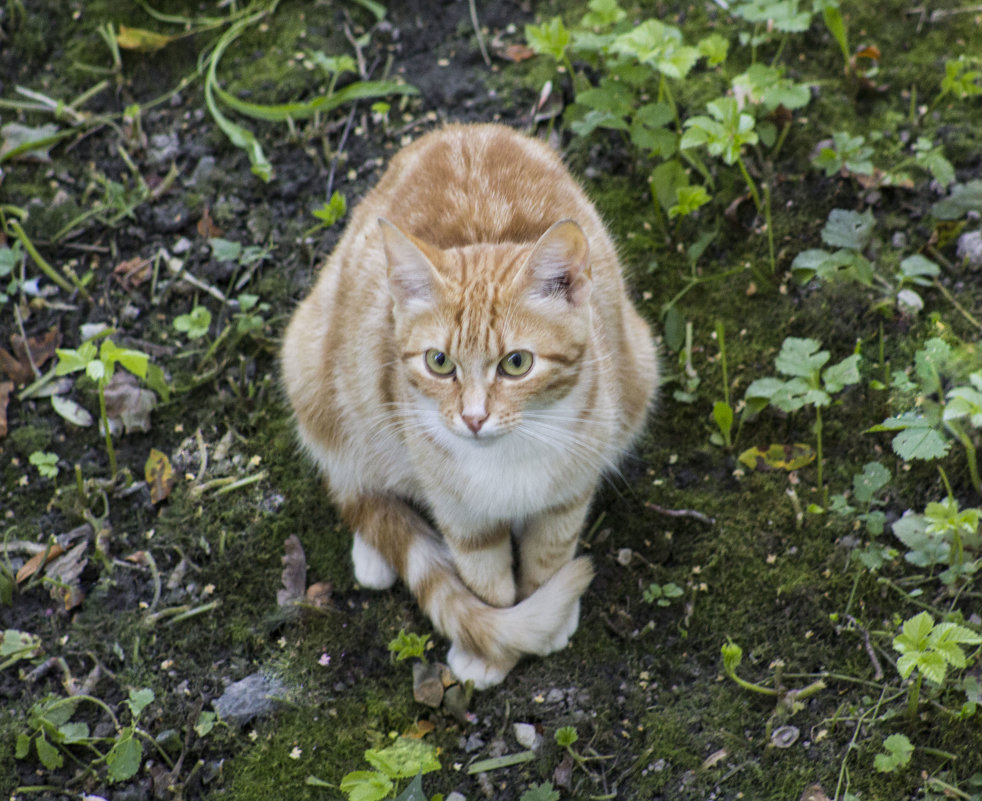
[469, 184]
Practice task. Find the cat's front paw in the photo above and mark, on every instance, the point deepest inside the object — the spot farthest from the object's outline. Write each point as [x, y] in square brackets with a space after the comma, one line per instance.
[470, 667]
[372, 570]
[560, 639]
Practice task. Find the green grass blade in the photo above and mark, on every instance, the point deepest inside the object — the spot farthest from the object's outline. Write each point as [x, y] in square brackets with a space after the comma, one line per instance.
[362, 90]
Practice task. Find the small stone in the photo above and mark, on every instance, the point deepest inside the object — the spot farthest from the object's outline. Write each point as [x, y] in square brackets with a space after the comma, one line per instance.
[427, 687]
[624, 557]
[969, 249]
[527, 736]
[253, 696]
[473, 743]
[555, 696]
[455, 796]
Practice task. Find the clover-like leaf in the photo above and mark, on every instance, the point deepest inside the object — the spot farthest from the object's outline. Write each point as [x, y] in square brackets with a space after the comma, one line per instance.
[800, 357]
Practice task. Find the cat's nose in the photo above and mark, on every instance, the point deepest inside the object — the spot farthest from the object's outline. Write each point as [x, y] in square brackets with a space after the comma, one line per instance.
[474, 421]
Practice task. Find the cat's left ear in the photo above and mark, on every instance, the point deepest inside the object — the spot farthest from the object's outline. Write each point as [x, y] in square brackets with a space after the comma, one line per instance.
[559, 265]
[412, 276]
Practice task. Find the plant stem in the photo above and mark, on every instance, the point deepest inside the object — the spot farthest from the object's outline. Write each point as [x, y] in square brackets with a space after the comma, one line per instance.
[818, 455]
[750, 183]
[770, 228]
[721, 339]
[914, 696]
[103, 416]
[47, 269]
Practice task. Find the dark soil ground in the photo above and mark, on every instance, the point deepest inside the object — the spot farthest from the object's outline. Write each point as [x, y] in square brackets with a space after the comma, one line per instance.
[179, 594]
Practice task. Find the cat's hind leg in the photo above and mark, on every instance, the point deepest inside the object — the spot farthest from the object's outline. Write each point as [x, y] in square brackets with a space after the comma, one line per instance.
[372, 570]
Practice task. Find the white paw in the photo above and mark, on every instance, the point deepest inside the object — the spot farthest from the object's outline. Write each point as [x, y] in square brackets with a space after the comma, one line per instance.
[470, 667]
[372, 570]
[561, 638]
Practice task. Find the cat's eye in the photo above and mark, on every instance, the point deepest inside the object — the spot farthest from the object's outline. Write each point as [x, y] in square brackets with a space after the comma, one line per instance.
[438, 363]
[515, 364]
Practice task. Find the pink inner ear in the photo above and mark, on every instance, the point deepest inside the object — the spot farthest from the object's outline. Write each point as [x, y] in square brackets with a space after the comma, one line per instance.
[412, 276]
[559, 264]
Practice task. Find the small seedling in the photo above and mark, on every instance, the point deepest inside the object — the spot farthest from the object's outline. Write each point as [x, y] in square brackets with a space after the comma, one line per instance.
[943, 535]
[662, 594]
[788, 701]
[99, 365]
[195, 323]
[53, 733]
[46, 463]
[332, 210]
[540, 792]
[409, 645]
[923, 432]
[929, 648]
[897, 752]
[722, 410]
[811, 384]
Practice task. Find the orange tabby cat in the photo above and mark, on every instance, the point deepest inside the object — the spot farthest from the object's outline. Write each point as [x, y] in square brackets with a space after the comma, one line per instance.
[469, 356]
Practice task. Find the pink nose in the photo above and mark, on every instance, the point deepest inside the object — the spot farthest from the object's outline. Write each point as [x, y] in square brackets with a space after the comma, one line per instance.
[474, 421]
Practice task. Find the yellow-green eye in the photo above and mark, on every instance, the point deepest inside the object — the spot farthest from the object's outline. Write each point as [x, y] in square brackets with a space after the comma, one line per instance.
[439, 363]
[516, 364]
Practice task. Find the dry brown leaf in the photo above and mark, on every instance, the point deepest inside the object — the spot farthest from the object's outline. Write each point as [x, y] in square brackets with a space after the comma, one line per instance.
[159, 475]
[207, 227]
[563, 774]
[294, 576]
[419, 730]
[319, 594]
[17, 364]
[36, 562]
[128, 404]
[132, 272]
[518, 52]
[65, 570]
[6, 387]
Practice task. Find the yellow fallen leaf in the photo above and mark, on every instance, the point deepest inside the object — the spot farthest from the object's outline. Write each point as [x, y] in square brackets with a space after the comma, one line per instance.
[36, 562]
[159, 475]
[778, 457]
[141, 40]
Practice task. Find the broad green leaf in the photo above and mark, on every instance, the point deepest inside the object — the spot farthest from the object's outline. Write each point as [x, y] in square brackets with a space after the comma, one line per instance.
[124, 758]
[73, 732]
[714, 48]
[898, 752]
[766, 85]
[366, 785]
[761, 390]
[133, 360]
[224, 249]
[71, 361]
[50, 757]
[932, 666]
[18, 140]
[843, 374]
[688, 200]
[550, 38]
[540, 792]
[964, 402]
[23, 746]
[918, 270]
[963, 199]
[611, 97]
[800, 357]
[602, 14]
[138, 701]
[848, 229]
[866, 484]
[920, 443]
[915, 632]
[652, 42]
[404, 758]
[195, 324]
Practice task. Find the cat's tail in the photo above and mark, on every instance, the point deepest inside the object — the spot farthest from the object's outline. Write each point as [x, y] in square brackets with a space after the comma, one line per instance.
[487, 640]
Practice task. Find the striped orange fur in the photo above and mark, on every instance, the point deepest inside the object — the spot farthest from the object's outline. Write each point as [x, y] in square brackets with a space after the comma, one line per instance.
[469, 356]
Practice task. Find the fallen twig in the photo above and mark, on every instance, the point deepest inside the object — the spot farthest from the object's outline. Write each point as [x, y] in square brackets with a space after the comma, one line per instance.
[702, 518]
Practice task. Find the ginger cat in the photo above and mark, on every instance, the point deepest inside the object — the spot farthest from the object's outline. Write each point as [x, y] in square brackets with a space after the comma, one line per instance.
[469, 359]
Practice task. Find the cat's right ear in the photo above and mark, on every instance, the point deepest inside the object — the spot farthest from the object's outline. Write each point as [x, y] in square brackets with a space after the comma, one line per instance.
[412, 277]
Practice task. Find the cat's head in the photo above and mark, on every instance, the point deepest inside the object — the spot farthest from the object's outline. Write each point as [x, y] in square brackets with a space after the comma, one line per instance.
[490, 337]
